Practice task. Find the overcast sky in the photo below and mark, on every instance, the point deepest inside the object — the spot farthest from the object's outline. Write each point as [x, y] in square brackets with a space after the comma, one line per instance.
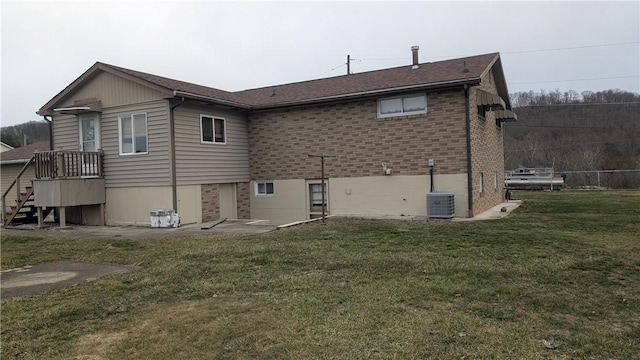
[241, 45]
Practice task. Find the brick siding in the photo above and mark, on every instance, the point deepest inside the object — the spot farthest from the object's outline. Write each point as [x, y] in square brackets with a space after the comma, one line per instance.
[280, 141]
[487, 152]
[210, 202]
[243, 196]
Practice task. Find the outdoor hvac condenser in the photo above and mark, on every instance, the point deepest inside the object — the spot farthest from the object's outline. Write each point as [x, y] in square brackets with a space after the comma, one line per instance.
[440, 205]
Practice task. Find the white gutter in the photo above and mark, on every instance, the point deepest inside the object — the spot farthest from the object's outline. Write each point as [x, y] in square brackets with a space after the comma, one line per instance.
[206, 98]
[18, 161]
[73, 108]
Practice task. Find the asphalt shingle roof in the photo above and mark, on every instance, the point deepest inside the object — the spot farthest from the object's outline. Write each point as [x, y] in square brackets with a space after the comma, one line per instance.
[24, 152]
[432, 73]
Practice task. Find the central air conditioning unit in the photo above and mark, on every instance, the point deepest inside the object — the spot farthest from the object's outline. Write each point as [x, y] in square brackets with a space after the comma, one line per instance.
[440, 205]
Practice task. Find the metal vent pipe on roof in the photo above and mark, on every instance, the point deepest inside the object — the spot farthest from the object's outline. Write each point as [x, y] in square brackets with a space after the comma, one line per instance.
[414, 50]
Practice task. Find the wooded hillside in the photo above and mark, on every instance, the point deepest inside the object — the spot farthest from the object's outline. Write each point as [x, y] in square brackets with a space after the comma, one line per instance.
[600, 131]
[32, 131]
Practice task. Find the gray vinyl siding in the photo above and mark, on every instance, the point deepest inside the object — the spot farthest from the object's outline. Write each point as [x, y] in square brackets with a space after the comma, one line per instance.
[65, 132]
[152, 169]
[113, 90]
[198, 163]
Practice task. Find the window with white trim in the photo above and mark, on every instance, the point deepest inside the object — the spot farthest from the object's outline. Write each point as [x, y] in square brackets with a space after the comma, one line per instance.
[213, 129]
[402, 105]
[133, 134]
[264, 188]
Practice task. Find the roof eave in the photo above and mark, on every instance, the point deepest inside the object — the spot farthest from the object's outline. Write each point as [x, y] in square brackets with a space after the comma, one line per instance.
[360, 94]
[47, 109]
[15, 161]
[188, 95]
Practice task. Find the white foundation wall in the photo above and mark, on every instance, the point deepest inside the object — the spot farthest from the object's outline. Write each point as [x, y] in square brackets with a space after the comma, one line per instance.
[287, 204]
[131, 205]
[394, 195]
[371, 195]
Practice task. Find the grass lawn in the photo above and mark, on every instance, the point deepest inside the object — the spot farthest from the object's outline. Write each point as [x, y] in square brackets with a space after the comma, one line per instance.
[564, 267]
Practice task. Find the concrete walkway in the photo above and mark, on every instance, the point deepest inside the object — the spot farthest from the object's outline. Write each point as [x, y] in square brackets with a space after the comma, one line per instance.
[139, 232]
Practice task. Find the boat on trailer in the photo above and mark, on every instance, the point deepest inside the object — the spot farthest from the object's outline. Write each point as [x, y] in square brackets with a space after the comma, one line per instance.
[524, 178]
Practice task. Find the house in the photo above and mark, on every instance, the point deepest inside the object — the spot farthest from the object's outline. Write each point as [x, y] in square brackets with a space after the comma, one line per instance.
[17, 164]
[145, 142]
[5, 147]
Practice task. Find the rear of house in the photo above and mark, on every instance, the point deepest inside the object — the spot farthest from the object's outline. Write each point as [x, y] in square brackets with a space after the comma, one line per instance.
[208, 153]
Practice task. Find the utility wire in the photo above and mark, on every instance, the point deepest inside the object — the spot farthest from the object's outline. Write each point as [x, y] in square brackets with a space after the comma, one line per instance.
[507, 52]
[587, 79]
[560, 126]
[572, 145]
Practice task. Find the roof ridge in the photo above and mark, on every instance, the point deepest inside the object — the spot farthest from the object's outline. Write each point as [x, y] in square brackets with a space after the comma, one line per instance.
[364, 73]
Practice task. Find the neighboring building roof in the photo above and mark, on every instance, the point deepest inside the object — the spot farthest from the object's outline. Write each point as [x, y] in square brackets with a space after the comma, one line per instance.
[5, 147]
[468, 70]
[23, 153]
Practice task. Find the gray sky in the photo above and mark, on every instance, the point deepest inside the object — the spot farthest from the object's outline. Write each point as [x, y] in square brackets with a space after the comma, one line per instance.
[240, 45]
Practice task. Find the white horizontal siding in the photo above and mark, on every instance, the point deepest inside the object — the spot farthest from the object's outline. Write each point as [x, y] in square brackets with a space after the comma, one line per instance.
[198, 163]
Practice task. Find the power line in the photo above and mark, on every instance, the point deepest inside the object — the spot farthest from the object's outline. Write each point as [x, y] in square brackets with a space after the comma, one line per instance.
[507, 52]
[572, 145]
[569, 48]
[560, 126]
[587, 79]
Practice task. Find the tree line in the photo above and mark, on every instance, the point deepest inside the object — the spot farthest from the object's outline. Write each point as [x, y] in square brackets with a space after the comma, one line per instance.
[595, 131]
[556, 97]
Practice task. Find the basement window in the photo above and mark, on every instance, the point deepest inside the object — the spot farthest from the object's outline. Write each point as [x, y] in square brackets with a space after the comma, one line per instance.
[402, 105]
[212, 130]
[264, 188]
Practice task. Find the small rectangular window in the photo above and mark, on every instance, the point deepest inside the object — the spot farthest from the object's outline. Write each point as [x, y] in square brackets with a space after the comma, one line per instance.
[264, 188]
[403, 105]
[212, 129]
[481, 184]
[133, 134]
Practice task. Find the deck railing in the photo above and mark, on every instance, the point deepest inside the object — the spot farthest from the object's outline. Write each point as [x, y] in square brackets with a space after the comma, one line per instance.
[61, 164]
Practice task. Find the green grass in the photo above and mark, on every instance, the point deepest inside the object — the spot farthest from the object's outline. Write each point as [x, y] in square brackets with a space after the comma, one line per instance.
[563, 267]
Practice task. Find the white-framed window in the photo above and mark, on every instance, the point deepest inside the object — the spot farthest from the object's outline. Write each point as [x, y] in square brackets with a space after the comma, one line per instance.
[402, 105]
[132, 130]
[213, 130]
[481, 183]
[264, 188]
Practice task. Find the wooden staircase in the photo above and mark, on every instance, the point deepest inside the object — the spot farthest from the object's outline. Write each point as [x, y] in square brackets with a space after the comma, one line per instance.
[23, 209]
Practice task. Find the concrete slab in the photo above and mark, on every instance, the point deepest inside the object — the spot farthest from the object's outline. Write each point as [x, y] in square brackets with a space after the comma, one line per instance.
[31, 280]
[138, 232]
[495, 212]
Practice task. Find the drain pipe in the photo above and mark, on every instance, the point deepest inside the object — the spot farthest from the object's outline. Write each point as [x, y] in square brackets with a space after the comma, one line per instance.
[468, 129]
[50, 120]
[174, 186]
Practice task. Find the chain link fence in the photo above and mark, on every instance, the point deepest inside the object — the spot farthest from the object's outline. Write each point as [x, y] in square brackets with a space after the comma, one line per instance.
[602, 179]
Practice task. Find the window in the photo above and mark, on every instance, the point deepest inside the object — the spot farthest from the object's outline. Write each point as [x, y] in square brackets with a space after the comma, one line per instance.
[133, 134]
[212, 130]
[406, 105]
[495, 180]
[481, 184]
[315, 197]
[264, 187]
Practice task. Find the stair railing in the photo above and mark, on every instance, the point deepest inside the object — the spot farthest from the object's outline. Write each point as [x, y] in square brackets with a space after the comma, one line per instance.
[15, 182]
